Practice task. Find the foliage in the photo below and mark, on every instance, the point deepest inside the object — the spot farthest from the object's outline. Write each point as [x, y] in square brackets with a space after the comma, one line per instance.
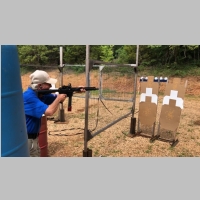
[126, 54]
[25, 70]
[76, 69]
[95, 52]
[35, 54]
[176, 60]
[74, 54]
[106, 53]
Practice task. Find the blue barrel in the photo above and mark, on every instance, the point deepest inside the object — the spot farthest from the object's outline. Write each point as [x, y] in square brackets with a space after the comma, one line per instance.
[14, 139]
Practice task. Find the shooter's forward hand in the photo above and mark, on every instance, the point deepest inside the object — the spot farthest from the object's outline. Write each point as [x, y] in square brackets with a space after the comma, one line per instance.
[81, 90]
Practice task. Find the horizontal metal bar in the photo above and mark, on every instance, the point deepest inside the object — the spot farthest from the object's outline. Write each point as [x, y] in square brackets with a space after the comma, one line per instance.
[109, 99]
[79, 65]
[112, 64]
[109, 125]
[68, 65]
[45, 66]
[54, 66]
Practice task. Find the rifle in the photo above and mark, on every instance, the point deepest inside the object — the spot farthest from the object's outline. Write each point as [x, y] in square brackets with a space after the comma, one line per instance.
[68, 90]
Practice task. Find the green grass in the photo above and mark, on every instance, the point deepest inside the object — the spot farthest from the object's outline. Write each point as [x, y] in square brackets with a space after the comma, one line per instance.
[25, 69]
[185, 153]
[149, 149]
[198, 143]
[170, 71]
[75, 69]
[96, 152]
[159, 70]
[171, 148]
[107, 90]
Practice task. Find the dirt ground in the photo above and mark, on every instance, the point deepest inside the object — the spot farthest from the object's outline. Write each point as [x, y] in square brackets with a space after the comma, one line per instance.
[67, 139]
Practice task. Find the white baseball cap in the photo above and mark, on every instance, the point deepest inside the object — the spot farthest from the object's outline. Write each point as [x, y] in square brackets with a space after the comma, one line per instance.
[40, 76]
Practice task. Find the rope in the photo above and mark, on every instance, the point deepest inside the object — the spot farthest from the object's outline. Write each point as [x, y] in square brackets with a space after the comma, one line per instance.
[56, 134]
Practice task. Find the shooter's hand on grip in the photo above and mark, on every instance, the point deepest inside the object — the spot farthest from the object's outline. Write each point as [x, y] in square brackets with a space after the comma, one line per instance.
[61, 97]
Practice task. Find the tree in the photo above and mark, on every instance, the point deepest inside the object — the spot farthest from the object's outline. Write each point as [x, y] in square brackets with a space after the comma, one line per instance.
[149, 55]
[74, 54]
[107, 53]
[126, 54]
[95, 52]
[34, 54]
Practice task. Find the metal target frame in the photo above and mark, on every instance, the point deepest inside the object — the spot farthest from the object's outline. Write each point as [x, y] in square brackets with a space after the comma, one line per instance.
[88, 65]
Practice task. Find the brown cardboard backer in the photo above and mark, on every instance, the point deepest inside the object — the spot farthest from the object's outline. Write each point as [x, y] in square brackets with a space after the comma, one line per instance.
[149, 84]
[147, 112]
[170, 116]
